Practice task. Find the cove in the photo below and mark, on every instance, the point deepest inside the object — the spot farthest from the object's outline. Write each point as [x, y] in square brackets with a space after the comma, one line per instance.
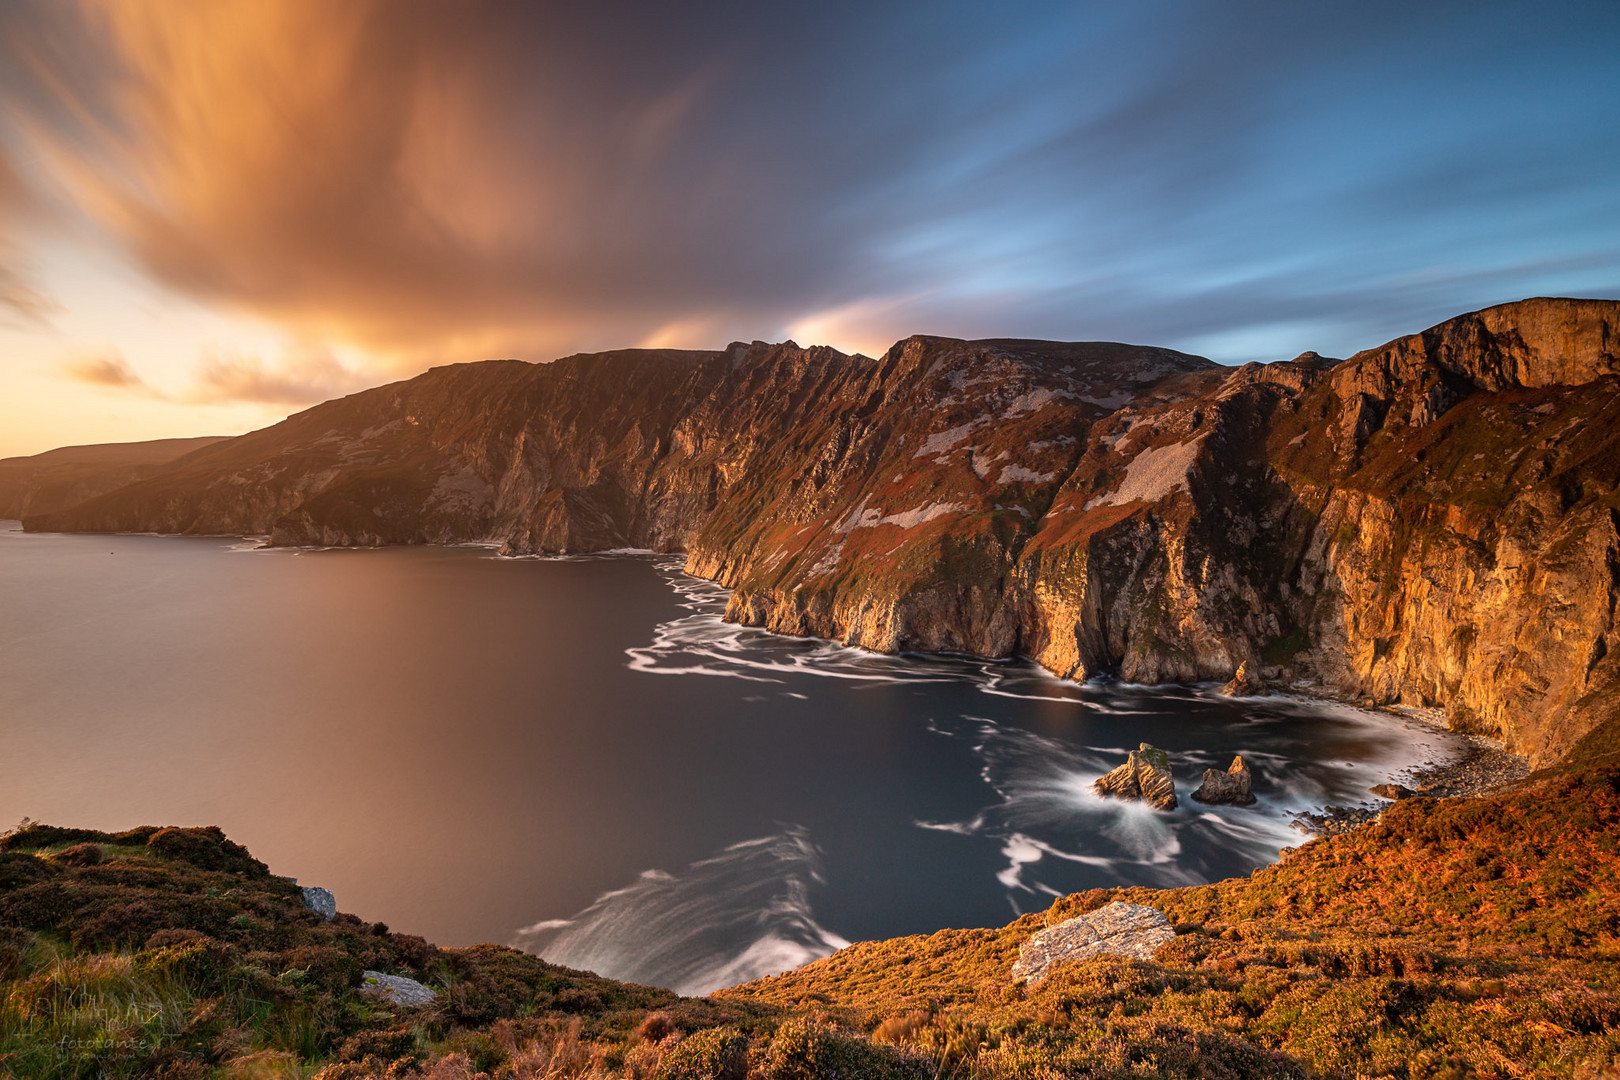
[577, 756]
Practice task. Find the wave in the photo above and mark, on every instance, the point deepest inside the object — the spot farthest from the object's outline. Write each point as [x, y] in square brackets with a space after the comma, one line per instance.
[738, 915]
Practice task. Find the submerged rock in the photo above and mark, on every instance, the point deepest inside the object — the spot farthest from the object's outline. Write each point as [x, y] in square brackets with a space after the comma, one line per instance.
[1145, 776]
[1117, 929]
[1230, 787]
[319, 900]
[397, 989]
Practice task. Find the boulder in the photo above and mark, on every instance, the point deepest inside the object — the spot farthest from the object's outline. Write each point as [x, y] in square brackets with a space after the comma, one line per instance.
[1245, 683]
[1229, 788]
[396, 989]
[319, 900]
[1117, 929]
[1393, 792]
[1145, 776]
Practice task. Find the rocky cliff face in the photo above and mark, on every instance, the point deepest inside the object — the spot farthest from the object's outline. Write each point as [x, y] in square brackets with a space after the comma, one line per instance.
[1433, 521]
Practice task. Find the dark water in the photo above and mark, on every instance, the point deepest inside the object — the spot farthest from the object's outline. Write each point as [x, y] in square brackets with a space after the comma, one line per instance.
[577, 756]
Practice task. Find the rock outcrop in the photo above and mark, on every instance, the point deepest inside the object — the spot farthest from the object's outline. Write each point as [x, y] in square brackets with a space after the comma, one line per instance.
[1434, 522]
[1145, 777]
[1230, 788]
[320, 901]
[1244, 683]
[397, 989]
[1116, 929]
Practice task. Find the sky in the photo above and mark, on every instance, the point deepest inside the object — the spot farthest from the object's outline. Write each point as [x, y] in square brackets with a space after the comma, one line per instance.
[217, 212]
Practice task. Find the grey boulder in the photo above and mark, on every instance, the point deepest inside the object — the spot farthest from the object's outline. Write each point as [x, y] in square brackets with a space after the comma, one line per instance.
[1117, 929]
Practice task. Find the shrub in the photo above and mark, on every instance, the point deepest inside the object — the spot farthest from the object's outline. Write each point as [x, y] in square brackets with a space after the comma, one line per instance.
[206, 849]
[711, 1054]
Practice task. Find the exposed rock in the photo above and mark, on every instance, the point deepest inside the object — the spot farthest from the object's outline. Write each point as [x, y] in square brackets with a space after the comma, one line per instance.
[1230, 787]
[1145, 776]
[1430, 522]
[397, 989]
[1117, 929]
[1393, 792]
[319, 900]
[1243, 683]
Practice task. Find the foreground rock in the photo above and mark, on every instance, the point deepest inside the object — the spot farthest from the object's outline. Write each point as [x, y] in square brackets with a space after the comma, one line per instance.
[397, 989]
[319, 900]
[1145, 777]
[1117, 929]
[1229, 788]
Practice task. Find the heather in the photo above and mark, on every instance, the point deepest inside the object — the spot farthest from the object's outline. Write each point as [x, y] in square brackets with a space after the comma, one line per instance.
[1450, 938]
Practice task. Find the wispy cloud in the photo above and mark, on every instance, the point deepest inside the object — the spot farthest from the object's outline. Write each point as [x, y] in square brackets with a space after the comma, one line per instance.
[108, 369]
[303, 377]
[441, 181]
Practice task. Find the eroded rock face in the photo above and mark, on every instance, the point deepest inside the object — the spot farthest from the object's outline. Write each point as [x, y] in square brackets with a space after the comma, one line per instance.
[1435, 521]
[1230, 788]
[1145, 777]
[1117, 929]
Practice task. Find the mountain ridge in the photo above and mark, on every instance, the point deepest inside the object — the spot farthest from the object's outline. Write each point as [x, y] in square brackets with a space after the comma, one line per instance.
[1433, 521]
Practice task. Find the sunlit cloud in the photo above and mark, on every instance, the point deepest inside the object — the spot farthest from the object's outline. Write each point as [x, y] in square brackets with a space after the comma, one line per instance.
[303, 377]
[108, 369]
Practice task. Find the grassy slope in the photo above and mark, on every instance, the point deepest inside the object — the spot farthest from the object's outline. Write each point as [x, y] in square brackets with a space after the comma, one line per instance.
[1455, 938]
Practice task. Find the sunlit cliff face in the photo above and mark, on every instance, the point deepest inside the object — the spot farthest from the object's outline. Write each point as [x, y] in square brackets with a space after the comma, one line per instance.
[212, 212]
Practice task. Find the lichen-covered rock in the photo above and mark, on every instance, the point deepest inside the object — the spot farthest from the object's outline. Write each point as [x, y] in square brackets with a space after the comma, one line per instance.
[1117, 929]
[1231, 788]
[319, 900]
[1145, 776]
[397, 989]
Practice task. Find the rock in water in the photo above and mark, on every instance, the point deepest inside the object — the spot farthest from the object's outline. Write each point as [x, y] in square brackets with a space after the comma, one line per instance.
[1393, 792]
[1144, 776]
[320, 901]
[1117, 929]
[1244, 683]
[1231, 786]
[397, 989]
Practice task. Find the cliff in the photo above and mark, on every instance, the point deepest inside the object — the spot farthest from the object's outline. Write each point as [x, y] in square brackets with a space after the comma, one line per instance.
[65, 477]
[1435, 521]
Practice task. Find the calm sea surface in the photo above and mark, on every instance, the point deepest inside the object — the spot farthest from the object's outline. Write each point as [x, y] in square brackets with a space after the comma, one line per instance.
[578, 757]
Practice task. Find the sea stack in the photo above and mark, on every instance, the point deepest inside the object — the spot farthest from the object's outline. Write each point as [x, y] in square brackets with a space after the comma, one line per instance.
[1230, 787]
[1145, 776]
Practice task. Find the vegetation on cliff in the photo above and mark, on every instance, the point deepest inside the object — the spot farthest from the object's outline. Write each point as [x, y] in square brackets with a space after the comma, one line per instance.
[1466, 937]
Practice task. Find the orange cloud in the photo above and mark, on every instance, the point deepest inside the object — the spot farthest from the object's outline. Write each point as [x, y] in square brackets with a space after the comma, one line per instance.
[303, 378]
[429, 181]
[108, 369]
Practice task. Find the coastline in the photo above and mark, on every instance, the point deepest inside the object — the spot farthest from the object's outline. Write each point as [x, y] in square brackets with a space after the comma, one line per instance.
[1484, 768]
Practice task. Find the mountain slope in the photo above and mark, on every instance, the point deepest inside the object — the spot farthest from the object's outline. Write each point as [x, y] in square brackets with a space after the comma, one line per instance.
[1434, 521]
[65, 477]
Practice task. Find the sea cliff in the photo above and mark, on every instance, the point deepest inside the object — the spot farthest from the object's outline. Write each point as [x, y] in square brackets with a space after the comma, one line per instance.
[1435, 521]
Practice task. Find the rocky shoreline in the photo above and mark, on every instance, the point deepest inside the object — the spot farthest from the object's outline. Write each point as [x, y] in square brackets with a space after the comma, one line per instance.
[1485, 767]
